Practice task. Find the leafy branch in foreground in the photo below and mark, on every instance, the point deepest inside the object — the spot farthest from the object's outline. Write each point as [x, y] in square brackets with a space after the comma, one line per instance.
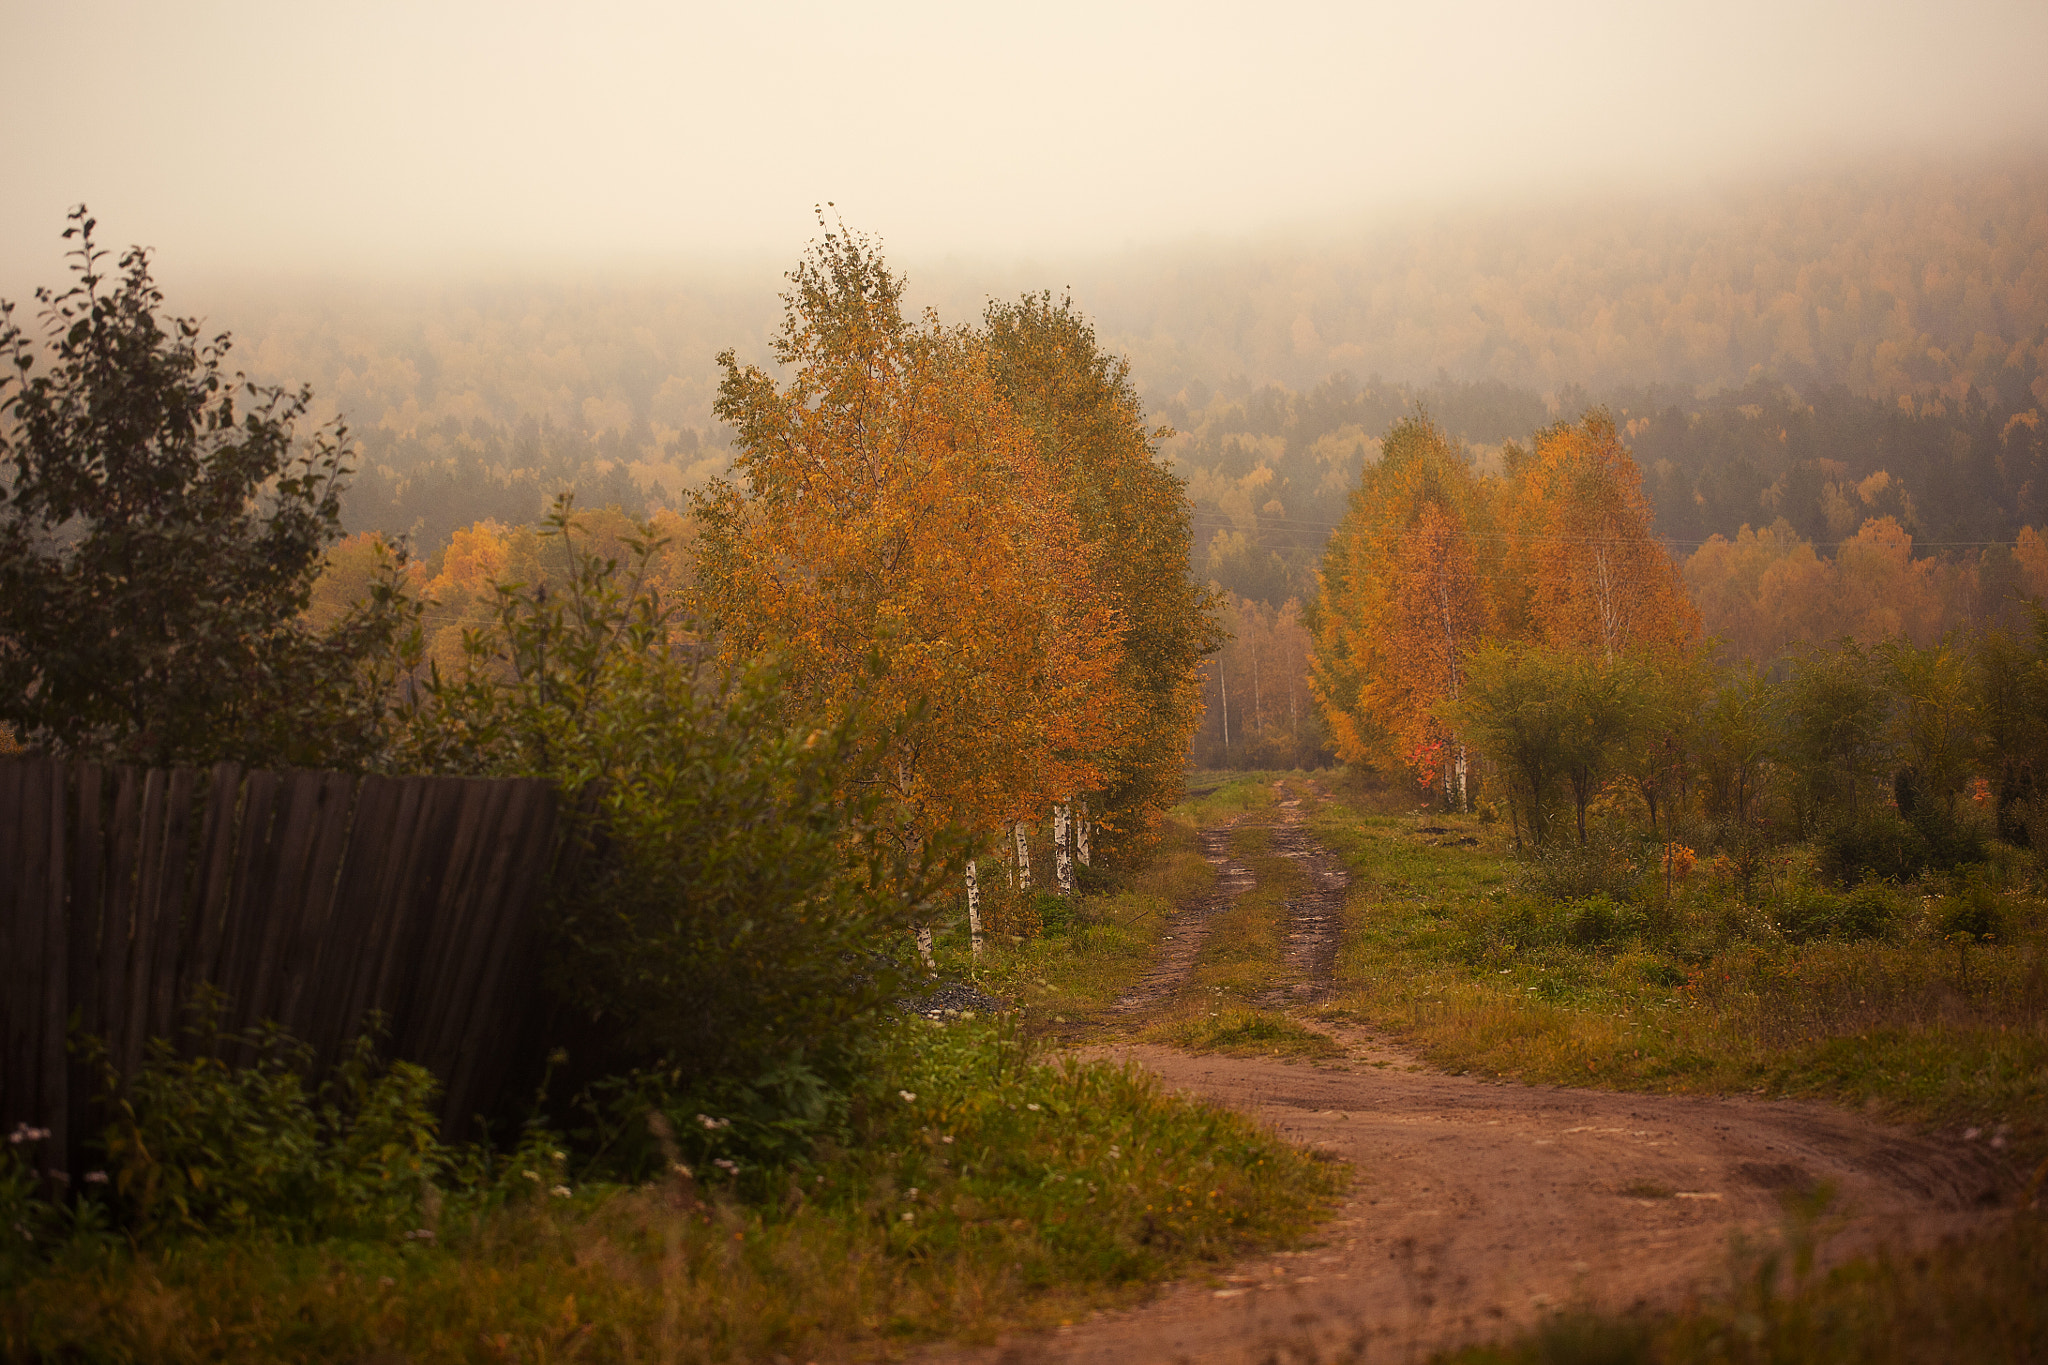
[160, 531]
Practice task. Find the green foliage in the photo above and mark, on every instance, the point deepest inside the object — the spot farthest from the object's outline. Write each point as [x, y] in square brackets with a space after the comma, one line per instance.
[745, 907]
[1806, 913]
[2012, 686]
[983, 1189]
[1974, 912]
[223, 1136]
[1872, 842]
[1567, 871]
[1551, 717]
[160, 530]
[1834, 731]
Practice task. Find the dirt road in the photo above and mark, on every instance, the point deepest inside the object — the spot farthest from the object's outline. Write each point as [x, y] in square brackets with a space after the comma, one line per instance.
[1478, 1205]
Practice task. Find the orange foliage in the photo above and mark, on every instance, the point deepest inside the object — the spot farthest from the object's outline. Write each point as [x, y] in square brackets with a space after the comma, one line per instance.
[350, 567]
[1598, 578]
[1433, 561]
[1768, 589]
[1405, 597]
[902, 541]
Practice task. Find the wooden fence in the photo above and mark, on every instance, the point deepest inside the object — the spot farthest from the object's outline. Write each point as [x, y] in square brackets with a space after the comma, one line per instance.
[307, 899]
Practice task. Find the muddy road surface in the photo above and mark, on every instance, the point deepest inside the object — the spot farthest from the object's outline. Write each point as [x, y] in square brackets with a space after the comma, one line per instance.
[1477, 1205]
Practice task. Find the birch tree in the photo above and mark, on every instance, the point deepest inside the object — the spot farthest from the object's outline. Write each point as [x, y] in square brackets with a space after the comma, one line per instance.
[900, 537]
[1131, 507]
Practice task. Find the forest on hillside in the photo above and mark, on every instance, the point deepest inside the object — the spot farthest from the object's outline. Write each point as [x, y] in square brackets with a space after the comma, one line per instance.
[1913, 279]
[1837, 292]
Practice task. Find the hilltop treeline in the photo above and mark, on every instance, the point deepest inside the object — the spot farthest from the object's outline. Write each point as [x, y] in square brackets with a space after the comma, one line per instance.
[1796, 517]
[1271, 474]
[1927, 282]
[1903, 279]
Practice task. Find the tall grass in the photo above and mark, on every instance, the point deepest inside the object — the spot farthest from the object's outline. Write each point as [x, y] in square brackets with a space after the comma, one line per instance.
[1794, 990]
[987, 1189]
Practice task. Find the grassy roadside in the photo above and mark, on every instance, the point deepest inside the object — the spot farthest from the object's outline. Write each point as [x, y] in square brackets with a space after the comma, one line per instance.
[983, 1189]
[1493, 964]
[1458, 947]
[1978, 1301]
[980, 1188]
[1086, 955]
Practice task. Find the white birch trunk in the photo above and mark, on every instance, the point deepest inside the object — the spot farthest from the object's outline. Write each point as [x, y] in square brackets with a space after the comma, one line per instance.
[1023, 856]
[924, 945]
[1464, 793]
[1062, 848]
[1081, 836]
[973, 909]
[1223, 681]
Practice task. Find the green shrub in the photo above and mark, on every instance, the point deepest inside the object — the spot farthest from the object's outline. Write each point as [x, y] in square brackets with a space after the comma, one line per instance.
[746, 907]
[1954, 837]
[1805, 913]
[198, 1143]
[1868, 912]
[1055, 913]
[1597, 922]
[1567, 871]
[1974, 910]
[1871, 843]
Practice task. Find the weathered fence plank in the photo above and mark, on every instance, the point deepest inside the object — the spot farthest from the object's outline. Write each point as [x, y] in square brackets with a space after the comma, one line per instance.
[308, 899]
[171, 912]
[137, 951]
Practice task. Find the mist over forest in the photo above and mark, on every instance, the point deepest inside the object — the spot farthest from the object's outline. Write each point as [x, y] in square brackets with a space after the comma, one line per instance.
[1760, 343]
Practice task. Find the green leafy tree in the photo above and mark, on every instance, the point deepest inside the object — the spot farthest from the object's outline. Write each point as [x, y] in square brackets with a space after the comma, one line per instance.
[744, 916]
[1515, 709]
[160, 530]
[1737, 742]
[1935, 723]
[2012, 683]
[1605, 700]
[1834, 731]
[1549, 717]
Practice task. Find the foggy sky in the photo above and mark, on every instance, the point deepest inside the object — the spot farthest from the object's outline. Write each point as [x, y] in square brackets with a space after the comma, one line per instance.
[396, 138]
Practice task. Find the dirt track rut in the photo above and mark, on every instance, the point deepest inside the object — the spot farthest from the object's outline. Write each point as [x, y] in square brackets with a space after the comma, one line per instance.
[1479, 1205]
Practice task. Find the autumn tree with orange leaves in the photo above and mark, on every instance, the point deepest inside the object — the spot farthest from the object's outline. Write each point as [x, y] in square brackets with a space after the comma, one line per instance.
[1406, 597]
[1132, 508]
[903, 540]
[1597, 579]
[1434, 562]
